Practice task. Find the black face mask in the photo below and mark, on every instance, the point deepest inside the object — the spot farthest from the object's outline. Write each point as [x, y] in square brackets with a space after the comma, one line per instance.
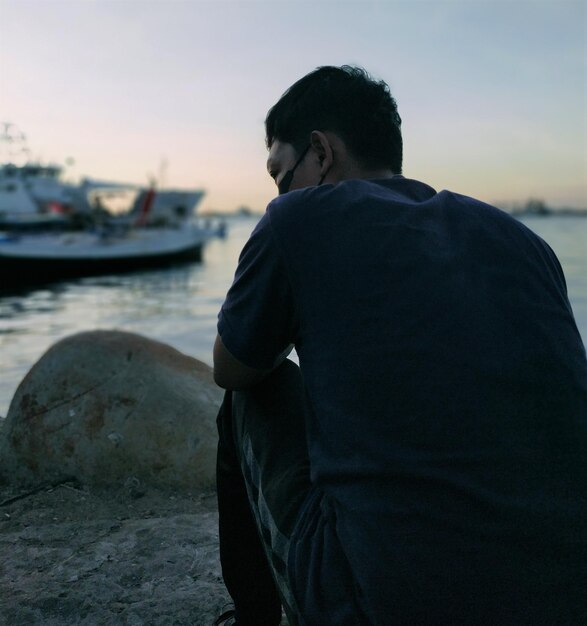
[284, 184]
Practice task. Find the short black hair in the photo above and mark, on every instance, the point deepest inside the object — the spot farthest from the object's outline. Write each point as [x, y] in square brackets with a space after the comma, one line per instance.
[346, 100]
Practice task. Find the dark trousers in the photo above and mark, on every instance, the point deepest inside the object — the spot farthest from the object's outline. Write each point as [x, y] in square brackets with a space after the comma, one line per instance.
[262, 482]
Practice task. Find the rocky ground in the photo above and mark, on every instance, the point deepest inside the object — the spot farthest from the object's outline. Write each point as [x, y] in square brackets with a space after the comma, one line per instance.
[127, 555]
[120, 410]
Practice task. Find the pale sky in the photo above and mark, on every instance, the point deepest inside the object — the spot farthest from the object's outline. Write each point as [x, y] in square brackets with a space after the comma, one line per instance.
[492, 94]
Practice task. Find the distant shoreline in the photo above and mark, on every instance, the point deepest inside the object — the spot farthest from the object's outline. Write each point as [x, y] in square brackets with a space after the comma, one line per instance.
[535, 206]
[550, 213]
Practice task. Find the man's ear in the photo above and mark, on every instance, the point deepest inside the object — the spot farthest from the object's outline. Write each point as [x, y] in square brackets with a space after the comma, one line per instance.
[323, 149]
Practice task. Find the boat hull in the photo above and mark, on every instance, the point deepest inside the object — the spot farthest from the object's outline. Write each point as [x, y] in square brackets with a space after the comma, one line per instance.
[36, 260]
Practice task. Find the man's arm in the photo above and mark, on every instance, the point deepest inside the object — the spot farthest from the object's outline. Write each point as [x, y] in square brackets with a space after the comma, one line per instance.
[230, 373]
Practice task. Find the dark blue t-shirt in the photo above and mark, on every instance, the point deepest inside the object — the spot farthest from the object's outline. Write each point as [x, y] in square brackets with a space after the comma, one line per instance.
[447, 383]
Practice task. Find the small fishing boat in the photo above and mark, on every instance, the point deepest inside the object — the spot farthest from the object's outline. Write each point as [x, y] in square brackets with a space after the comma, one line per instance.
[50, 229]
[30, 258]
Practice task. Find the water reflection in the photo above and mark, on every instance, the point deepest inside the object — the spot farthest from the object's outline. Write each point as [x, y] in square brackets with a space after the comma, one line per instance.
[22, 302]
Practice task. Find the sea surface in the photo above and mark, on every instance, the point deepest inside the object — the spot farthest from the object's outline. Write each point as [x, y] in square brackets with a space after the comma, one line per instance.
[179, 305]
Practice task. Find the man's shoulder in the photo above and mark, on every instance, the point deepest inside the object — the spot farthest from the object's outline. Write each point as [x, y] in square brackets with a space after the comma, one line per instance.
[324, 198]
[488, 216]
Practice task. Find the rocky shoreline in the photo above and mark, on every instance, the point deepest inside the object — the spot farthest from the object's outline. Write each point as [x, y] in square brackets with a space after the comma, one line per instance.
[108, 512]
[131, 555]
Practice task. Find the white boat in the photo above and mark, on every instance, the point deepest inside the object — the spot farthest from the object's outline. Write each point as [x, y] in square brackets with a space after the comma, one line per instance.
[29, 258]
[33, 194]
[50, 229]
[160, 229]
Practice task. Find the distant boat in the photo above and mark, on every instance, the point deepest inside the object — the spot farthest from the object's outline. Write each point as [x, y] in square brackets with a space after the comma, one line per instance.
[50, 229]
[31, 258]
[160, 229]
[34, 196]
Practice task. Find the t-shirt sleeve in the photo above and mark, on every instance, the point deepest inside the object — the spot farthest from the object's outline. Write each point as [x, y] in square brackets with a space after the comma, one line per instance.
[256, 321]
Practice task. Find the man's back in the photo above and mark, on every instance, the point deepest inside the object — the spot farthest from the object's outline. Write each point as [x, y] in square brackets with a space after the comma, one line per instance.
[448, 389]
[427, 462]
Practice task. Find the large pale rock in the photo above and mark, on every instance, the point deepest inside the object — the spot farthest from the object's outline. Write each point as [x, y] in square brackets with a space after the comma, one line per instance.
[109, 406]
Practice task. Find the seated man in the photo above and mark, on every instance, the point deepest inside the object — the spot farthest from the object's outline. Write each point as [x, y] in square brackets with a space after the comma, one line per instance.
[427, 461]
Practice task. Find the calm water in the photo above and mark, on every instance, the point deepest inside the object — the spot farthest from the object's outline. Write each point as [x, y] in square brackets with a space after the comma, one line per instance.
[179, 305]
